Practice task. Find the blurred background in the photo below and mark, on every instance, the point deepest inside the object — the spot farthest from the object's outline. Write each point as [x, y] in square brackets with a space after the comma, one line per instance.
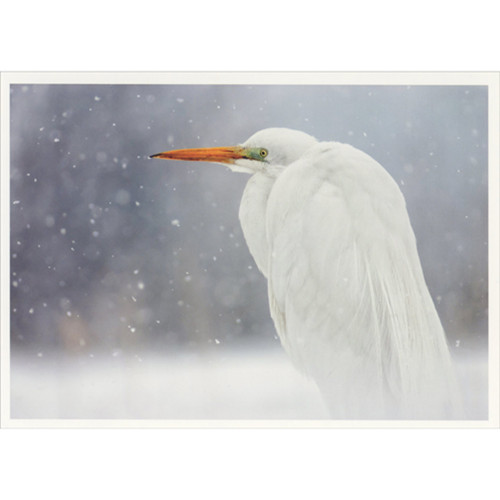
[133, 294]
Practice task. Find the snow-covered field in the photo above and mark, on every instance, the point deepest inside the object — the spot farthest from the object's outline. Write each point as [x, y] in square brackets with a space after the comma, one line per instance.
[221, 383]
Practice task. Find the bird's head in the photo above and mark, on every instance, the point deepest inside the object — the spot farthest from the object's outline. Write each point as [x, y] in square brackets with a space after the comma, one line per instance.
[266, 150]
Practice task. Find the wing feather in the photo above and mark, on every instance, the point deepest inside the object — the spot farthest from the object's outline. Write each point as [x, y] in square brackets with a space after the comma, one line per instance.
[346, 289]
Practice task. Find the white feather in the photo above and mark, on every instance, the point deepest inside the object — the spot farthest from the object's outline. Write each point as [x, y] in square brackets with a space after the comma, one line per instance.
[328, 227]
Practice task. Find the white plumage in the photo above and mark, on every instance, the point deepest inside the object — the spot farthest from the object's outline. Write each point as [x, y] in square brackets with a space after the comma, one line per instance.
[328, 227]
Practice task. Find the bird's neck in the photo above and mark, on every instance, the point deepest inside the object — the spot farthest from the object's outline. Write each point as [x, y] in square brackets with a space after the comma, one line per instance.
[253, 217]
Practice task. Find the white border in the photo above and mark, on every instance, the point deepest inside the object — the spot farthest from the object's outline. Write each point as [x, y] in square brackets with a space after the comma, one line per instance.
[251, 78]
[4, 251]
[494, 248]
[256, 78]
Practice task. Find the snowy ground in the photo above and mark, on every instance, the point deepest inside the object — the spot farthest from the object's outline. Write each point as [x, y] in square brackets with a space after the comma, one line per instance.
[217, 384]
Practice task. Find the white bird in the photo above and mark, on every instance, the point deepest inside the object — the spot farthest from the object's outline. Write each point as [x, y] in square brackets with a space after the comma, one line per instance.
[328, 228]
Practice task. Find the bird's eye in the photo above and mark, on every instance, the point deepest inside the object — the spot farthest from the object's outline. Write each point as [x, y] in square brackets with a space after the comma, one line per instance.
[263, 153]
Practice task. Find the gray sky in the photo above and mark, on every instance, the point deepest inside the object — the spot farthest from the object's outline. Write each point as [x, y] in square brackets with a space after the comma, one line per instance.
[111, 249]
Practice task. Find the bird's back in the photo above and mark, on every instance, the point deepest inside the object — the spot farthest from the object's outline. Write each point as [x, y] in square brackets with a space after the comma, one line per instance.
[347, 292]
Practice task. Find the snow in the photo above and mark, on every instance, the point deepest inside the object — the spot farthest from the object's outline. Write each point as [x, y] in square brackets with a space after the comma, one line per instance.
[100, 211]
[216, 383]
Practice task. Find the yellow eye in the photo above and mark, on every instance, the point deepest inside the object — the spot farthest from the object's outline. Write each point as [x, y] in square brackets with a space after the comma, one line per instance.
[263, 153]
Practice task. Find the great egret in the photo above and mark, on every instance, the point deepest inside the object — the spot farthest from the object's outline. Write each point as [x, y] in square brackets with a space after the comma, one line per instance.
[328, 228]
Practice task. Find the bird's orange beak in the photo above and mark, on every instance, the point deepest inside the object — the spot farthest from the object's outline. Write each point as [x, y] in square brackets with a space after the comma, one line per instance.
[218, 155]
